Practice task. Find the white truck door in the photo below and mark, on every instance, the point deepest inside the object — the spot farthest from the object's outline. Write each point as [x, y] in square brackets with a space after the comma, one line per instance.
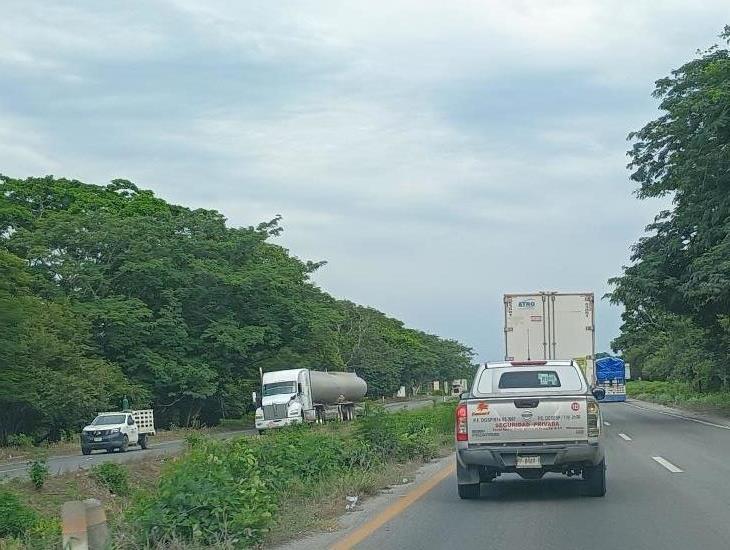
[132, 429]
[571, 329]
[525, 327]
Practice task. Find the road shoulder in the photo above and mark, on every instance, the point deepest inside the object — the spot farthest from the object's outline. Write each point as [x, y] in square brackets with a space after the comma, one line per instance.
[350, 522]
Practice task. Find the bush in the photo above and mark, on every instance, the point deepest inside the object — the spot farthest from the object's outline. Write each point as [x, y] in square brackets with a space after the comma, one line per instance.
[15, 517]
[215, 490]
[38, 472]
[20, 441]
[680, 394]
[407, 435]
[231, 490]
[112, 476]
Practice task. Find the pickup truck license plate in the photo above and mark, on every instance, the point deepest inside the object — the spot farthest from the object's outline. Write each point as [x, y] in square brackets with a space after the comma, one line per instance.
[97, 439]
[528, 462]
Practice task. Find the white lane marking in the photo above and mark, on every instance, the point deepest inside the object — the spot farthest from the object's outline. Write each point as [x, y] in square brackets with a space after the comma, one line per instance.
[624, 437]
[688, 418]
[606, 423]
[668, 465]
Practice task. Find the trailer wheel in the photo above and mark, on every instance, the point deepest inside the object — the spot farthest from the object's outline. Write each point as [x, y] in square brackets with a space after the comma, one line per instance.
[319, 415]
[143, 441]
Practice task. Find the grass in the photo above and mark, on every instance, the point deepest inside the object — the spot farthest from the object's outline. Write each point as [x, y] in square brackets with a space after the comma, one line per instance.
[681, 395]
[317, 508]
[308, 501]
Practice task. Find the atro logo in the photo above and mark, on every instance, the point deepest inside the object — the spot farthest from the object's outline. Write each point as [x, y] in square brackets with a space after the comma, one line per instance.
[526, 304]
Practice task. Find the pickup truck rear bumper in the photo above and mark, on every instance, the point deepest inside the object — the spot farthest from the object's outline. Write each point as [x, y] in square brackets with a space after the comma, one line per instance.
[554, 458]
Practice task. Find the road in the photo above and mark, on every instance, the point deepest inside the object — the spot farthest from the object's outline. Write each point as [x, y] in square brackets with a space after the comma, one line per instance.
[678, 500]
[71, 463]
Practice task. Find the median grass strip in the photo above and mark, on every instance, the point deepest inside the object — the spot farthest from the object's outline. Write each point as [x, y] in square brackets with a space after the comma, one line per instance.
[681, 395]
[250, 491]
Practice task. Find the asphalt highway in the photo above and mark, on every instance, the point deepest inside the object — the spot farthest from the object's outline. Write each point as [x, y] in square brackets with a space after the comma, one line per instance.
[668, 489]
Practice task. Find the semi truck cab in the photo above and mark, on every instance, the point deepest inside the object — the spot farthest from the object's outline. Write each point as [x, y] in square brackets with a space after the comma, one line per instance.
[303, 395]
[286, 398]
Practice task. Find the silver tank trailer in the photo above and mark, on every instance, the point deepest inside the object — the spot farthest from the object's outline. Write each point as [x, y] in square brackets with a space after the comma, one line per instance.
[336, 387]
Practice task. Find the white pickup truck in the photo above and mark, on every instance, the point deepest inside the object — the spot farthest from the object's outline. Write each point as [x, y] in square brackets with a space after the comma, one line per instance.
[118, 430]
[529, 418]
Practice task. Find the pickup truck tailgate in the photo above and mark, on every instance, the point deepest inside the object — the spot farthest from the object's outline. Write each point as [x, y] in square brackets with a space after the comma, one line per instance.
[526, 419]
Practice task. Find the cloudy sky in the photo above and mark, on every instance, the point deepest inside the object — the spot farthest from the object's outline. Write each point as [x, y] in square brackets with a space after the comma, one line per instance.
[436, 154]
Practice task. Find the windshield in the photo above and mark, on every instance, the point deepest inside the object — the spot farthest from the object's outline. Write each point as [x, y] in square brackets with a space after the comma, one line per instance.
[278, 388]
[107, 419]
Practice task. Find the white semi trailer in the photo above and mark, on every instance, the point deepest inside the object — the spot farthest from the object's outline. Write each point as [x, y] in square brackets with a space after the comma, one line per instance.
[551, 325]
[302, 395]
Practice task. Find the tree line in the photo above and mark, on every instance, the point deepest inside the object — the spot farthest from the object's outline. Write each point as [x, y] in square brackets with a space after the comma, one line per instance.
[107, 291]
[676, 292]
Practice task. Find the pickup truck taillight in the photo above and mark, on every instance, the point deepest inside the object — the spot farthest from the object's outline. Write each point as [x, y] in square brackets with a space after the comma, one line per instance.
[594, 430]
[462, 431]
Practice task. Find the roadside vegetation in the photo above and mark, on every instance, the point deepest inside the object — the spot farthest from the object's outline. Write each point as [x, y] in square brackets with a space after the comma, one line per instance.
[107, 291]
[676, 292]
[682, 395]
[242, 492]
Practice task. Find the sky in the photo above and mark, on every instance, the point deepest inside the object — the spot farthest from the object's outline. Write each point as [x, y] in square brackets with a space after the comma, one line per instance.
[435, 154]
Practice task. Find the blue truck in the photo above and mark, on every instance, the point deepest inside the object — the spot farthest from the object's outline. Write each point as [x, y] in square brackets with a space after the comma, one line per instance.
[611, 376]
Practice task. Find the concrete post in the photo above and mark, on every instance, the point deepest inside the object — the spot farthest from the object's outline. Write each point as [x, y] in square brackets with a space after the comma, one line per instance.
[73, 515]
[96, 526]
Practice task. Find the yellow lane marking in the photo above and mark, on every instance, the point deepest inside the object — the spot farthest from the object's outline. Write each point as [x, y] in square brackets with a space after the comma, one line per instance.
[392, 511]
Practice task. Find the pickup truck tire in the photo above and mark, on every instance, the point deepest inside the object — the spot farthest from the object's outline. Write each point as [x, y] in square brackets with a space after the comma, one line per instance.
[595, 479]
[469, 491]
[143, 441]
[85, 450]
[125, 444]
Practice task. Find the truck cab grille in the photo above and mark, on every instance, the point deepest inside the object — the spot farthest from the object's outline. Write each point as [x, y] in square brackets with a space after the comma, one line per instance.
[276, 411]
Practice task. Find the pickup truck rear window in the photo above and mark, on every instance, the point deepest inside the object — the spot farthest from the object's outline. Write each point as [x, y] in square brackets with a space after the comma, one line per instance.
[529, 379]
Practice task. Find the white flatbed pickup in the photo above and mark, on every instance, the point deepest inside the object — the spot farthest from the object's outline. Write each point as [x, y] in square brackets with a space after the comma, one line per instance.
[529, 418]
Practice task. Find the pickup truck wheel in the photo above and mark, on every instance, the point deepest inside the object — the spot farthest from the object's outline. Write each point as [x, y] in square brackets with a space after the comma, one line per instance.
[143, 441]
[125, 444]
[261, 432]
[85, 450]
[469, 491]
[595, 479]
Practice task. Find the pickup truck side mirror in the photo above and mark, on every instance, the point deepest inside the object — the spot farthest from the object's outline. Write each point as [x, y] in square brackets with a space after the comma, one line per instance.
[464, 395]
[599, 393]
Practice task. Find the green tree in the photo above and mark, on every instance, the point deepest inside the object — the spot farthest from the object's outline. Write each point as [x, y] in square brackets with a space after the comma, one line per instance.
[676, 293]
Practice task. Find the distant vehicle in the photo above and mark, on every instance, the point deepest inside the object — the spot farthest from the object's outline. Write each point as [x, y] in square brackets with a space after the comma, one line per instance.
[551, 325]
[302, 395]
[611, 376]
[458, 386]
[529, 418]
[118, 430]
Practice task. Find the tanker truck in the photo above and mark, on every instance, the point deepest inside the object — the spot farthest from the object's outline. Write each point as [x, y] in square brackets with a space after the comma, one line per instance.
[302, 395]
